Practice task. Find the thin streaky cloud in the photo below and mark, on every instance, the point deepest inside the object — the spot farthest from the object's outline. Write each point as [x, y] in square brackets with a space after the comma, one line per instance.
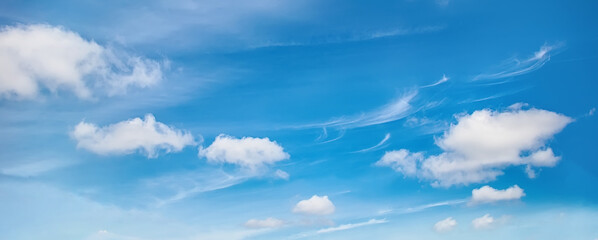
[375, 147]
[519, 67]
[423, 207]
[341, 134]
[441, 81]
[390, 112]
[351, 225]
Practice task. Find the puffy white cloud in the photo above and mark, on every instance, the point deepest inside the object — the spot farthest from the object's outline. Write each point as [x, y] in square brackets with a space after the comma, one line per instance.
[488, 194]
[401, 161]
[37, 58]
[482, 222]
[480, 145]
[266, 223]
[316, 205]
[145, 135]
[248, 152]
[445, 225]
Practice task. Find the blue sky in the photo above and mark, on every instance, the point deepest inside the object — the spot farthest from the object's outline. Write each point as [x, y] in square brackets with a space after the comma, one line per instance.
[193, 120]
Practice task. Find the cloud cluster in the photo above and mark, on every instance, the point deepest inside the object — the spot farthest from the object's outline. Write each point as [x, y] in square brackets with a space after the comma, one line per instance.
[487, 194]
[480, 145]
[38, 58]
[248, 152]
[316, 205]
[445, 225]
[145, 135]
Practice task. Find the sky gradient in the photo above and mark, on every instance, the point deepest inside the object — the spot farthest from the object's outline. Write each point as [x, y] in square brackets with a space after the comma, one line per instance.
[229, 119]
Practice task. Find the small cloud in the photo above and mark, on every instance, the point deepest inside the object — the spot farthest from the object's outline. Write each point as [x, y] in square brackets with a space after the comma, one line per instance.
[266, 223]
[145, 135]
[483, 222]
[445, 225]
[316, 205]
[591, 112]
[401, 161]
[248, 152]
[281, 174]
[487, 194]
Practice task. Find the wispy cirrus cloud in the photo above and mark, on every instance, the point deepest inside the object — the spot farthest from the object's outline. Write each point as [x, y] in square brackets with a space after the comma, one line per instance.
[351, 226]
[395, 110]
[516, 67]
[377, 146]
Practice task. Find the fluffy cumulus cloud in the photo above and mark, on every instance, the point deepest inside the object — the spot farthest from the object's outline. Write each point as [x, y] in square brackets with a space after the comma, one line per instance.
[445, 225]
[40, 58]
[145, 135]
[316, 205]
[483, 222]
[265, 223]
[248, 152]
[480, 145]
[488, 194]
[401, 161]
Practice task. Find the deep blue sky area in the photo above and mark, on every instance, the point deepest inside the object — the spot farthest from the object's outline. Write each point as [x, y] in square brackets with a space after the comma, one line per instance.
[229, 119]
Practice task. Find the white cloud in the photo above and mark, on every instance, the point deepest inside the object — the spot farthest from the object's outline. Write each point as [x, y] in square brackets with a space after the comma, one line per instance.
[440, 81]
[487, 194]
[146, 136]
[248, 152]
[282, 174]
[316, 205]
[480, 145]
[445, 225]
[401, 161]
[377, 146]
[392, 111]
[352, 225]
[38, 58]
[266, 223]
[517, 67]
[482, 222]
[34, 168]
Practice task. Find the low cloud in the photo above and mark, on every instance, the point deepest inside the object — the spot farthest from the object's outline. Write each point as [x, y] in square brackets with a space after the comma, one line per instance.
[143, 135]
[483, 222]
[445, 225]
[316, 205]
[487, 194]
[39, 58]
[480, 145]
[247, 152]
